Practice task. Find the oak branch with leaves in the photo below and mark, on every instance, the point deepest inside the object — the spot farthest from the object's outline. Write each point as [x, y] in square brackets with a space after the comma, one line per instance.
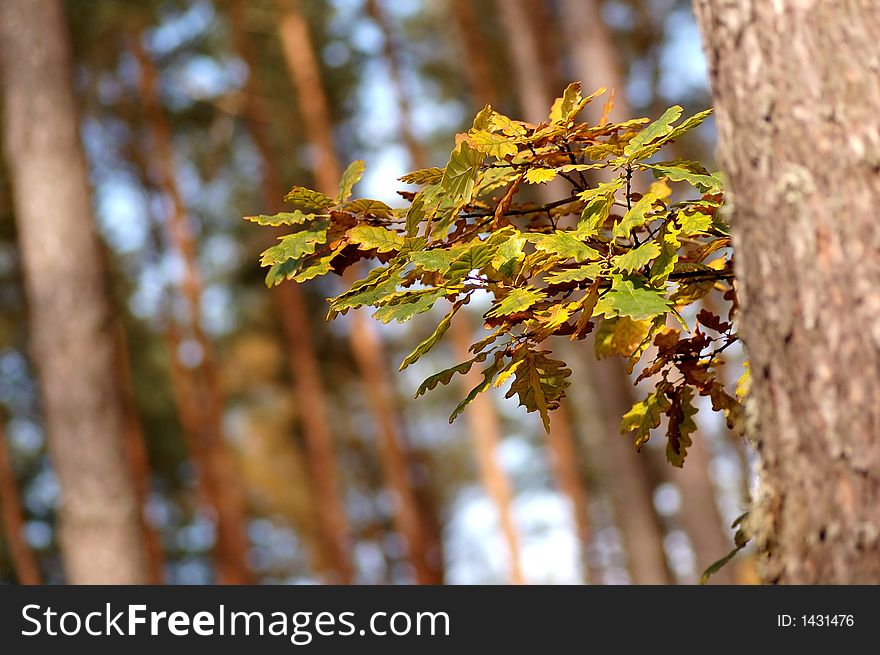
[604, 258]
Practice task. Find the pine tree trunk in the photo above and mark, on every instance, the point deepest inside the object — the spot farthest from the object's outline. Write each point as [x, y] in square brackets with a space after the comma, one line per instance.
[797, 95]
[72, 330]
[27, 572]
[217, 464]
[365, 343]
[311, 400]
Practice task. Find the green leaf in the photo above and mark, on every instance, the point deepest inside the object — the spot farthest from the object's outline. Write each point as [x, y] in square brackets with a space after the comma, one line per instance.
[565, 244]
[435, 260]
[509, 254]
[659, 128]
[423, 176]
[308, 200]
[445, 376]
[636, 258]
[367, 207]
[278, 273]
[645, 415]
[461, 173]
[632, 297]
[519, 299]
[693, 222]
[375, 238]
[283, 218]
[539, 383]
[474, 258]
[320, 266]
[586, 272]
[296, 245]
[431, 341]
[638, 214]
[403, 306]
[678, 173]
[540, 175]
[666, 260]
[488, 373]
[350, 177]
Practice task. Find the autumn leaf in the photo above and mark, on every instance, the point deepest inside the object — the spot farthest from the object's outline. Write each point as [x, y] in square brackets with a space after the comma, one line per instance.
[308, 200]
[350, 177]
[517, 300]
[645, 416]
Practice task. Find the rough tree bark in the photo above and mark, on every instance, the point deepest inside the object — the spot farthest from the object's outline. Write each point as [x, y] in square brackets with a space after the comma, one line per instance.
[72, 333]
[797, 93]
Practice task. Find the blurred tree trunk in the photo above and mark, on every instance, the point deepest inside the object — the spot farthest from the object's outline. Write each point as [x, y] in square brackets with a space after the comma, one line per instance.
[366, 346]
[302, 360]
[27, 571]
[797, 95]
[534, 96]
[138, 459]
[485, 426]
[482, 416]
[628, 480]
[700, 516]
[222, 480]
[596, 63]
[477, 67]
[595, 60]
[73, 343]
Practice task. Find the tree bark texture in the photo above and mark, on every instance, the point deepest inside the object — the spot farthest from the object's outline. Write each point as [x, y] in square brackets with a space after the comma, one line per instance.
[796, 86]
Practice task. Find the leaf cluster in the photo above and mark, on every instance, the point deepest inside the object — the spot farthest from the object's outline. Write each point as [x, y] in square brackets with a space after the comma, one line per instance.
[604, 258]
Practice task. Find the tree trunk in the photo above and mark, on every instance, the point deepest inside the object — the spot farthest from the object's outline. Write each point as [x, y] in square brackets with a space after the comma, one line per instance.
[24, 563]
[797, 94]
[365, 343]
[311, 400]
[72, 329]
[477, 67]
[627, 479]
[222, 480]
[485, 428]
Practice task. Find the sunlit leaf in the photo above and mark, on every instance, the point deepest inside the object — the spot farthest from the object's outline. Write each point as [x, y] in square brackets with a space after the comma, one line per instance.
[308, 200]
[517, 300]
[370, 237]
[350, 177]
[284, 218]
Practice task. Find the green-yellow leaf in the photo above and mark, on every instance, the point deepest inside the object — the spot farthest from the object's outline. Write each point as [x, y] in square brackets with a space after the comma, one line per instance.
[639, 214]
[445, 376]
[636, 258]
[367, 207]
[565, 244]
[283, 218]
[308, 200]
[632, 297]
[402, 307]
[370, 237]
[645, 415]
[586, 272]
[488, 374]
[676, 173]
[517, 300]
[350, 177]
[460, 173]
[423, 176]
[431, 341]
[659, 128]
[296, 245]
